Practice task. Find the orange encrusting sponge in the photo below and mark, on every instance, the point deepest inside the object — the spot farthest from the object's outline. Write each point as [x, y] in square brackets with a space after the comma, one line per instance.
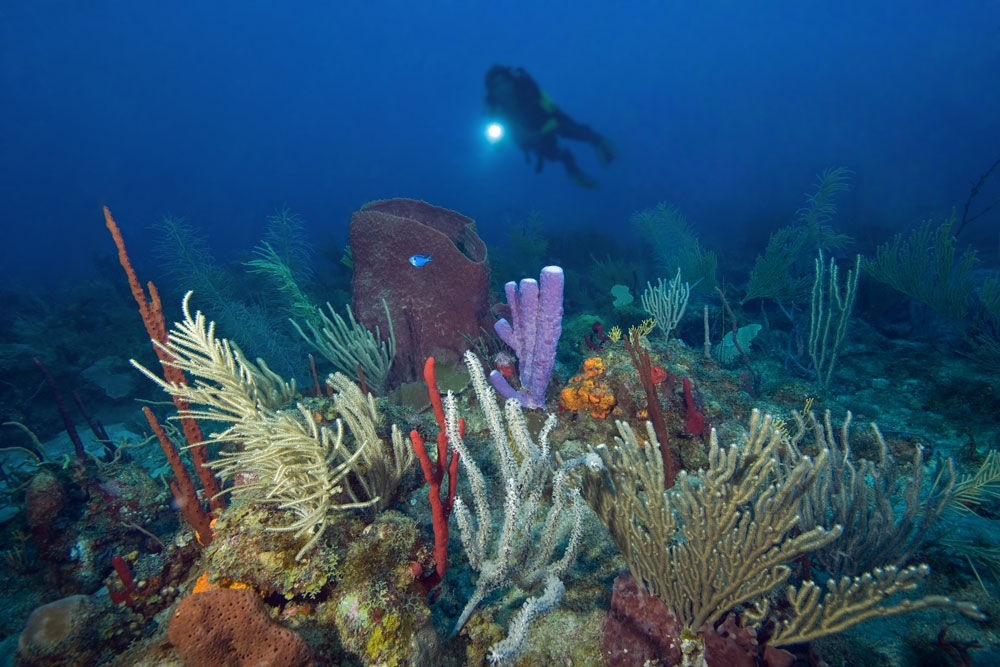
[588, 393]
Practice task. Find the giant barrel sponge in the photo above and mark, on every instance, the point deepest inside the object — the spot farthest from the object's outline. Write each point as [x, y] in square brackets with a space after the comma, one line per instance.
[431, 305]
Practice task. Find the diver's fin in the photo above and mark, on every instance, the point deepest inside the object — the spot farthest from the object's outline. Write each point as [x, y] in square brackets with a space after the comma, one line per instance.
[582, 179]
[574, 172]
[605, 151]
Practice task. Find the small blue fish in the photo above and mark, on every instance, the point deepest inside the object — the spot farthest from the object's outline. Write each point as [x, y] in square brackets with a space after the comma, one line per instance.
[419, 260]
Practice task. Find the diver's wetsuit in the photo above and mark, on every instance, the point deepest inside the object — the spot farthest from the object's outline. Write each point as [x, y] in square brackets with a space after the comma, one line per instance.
[534, 122]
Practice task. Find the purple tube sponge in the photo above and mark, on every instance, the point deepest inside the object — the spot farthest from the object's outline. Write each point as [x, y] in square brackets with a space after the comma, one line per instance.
[536, 313]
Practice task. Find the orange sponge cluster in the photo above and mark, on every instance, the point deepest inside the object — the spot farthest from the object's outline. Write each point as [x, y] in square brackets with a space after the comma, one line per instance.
[588, 392]
[203, 584]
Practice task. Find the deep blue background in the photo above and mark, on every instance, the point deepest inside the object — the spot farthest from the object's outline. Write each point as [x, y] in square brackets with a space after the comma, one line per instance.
[223, 111]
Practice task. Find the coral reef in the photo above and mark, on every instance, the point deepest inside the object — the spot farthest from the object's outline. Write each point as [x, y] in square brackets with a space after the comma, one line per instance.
[324, 545]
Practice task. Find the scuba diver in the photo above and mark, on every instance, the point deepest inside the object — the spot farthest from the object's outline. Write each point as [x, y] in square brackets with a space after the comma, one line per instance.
[514, 100]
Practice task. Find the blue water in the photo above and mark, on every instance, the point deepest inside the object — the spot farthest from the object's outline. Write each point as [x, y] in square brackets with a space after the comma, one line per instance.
[222, 112]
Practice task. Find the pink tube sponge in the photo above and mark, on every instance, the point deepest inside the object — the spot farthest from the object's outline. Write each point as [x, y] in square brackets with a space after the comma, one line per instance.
[536, 309]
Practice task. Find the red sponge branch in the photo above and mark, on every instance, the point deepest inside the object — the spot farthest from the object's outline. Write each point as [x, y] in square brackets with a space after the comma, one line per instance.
[125, 575]
[183, 489]
[434, 475]
[70, 429]
[643, 366]
[151, 311]
[695, 422]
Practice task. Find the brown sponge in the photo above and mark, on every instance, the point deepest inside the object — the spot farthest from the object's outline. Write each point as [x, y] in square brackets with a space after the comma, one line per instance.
[229, 627]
